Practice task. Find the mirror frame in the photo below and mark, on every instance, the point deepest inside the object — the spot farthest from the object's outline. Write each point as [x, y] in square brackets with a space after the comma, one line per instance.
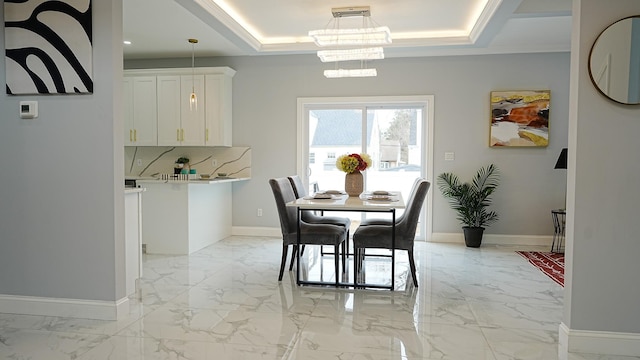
[589, 65]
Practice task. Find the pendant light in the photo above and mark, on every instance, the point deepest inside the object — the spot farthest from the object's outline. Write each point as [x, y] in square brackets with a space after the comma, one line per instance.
[193, 99]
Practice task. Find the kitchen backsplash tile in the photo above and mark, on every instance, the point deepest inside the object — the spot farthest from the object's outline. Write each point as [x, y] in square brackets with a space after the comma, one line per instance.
[151, 161]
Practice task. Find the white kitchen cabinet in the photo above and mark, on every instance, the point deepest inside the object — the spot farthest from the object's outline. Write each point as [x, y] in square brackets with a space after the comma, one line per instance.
[177, 124]
[140, 111]
[218, 113]
[169, 110]
[192, 126]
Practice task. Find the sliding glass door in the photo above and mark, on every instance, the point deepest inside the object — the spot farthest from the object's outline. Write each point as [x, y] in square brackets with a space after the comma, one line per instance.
[390, 130]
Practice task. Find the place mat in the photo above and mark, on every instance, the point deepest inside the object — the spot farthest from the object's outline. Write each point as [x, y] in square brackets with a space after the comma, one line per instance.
[320, 196]
[380, 198]
[332, 192]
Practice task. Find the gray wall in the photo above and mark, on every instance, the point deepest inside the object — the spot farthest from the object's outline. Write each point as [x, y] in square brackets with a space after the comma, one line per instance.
[264, 115]
[602, 283]
[61, 193]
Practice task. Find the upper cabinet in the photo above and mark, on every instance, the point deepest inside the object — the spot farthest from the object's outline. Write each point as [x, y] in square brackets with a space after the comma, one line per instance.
[177, 121]
[218, 112]
[192, 127]
[140, 111]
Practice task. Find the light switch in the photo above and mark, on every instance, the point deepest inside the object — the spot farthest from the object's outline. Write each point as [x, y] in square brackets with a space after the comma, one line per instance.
[449, 156]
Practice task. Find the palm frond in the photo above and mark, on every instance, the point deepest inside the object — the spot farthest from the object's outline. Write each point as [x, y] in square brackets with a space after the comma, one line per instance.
[470, 200]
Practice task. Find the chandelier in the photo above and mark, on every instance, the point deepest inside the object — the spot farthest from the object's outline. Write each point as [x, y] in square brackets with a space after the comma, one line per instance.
[365, 42]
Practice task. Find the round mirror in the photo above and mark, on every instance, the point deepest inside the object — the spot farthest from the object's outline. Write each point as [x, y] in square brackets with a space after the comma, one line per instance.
[614, 61]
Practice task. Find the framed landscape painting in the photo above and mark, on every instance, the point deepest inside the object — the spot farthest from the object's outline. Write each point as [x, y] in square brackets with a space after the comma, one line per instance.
[520, 118]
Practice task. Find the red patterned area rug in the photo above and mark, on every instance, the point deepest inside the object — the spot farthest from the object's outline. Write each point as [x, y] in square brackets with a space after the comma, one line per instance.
[551, 264]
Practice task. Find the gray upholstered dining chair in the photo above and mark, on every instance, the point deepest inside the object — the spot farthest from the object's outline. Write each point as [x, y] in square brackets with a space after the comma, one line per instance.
[387, 221]
[379, 236]
[311, 217]
[310, 234]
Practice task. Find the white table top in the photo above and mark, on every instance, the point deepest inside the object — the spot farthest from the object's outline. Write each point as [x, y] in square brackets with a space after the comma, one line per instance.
[366, 201]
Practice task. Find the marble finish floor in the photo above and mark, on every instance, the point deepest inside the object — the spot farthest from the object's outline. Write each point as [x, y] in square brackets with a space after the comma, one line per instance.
[224, 302]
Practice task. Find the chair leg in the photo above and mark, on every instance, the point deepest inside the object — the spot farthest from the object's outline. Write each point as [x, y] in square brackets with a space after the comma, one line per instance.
[294, 253]
[344, 257]
[347, 241]
[361, 255]
[412, 264]
[283, 262]
[336, 262]
[357, 264]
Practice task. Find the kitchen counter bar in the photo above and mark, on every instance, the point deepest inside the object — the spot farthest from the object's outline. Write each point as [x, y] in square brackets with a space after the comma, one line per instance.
[132, 190]
[191, 181]
[184, 216]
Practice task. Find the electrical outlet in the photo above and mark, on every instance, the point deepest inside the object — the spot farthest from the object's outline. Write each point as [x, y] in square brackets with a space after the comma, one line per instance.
[259, 212]
[214, 162]
[139, 162]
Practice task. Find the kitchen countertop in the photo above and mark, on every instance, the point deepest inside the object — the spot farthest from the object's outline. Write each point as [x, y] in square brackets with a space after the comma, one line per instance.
[191, 181]
[132, 190]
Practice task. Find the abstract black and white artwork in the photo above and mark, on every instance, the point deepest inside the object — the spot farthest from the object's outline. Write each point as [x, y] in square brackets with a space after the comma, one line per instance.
[48, 46]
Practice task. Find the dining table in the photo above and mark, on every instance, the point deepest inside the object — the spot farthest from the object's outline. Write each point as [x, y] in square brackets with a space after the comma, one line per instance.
[368, 201]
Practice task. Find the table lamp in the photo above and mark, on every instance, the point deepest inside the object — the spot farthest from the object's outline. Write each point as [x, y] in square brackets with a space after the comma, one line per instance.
[562, 160]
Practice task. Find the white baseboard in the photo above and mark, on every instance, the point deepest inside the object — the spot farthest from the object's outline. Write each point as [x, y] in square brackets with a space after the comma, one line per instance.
[256, 231]
[542, 240]
[74, 308]
[599, 342]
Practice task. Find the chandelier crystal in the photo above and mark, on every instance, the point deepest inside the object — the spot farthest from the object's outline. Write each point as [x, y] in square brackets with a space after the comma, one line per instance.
[374, 53]
[340, 73]
[352, 37]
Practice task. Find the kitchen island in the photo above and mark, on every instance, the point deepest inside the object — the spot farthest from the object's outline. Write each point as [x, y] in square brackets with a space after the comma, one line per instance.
[182, 217]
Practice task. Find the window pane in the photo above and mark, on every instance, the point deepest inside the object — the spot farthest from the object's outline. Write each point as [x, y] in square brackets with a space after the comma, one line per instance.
[331, 134]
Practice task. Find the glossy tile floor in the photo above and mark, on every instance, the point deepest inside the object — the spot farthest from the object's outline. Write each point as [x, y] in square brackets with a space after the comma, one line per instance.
[224, 302]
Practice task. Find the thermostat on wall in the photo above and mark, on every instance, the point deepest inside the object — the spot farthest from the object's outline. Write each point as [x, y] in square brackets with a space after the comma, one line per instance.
[28, 109]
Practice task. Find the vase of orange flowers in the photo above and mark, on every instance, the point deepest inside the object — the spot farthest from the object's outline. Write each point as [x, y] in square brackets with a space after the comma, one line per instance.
[353, 165]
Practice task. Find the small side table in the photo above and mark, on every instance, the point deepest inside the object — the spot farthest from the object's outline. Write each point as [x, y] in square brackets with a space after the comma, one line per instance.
[559, 218]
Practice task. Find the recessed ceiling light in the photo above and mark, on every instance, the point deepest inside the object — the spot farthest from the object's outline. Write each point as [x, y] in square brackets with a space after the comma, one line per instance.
[127, 42]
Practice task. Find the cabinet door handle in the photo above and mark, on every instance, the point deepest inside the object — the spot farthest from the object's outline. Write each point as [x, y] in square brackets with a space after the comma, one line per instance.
[177, 134]
[182, 137]
[206, 135]
[130, 135]
[135, 135]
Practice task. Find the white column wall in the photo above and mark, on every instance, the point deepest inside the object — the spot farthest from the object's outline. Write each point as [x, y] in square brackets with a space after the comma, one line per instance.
[61, 188]
[602, 284]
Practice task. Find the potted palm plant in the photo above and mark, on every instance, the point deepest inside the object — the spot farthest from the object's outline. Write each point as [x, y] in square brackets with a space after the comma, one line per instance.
[470, 201]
